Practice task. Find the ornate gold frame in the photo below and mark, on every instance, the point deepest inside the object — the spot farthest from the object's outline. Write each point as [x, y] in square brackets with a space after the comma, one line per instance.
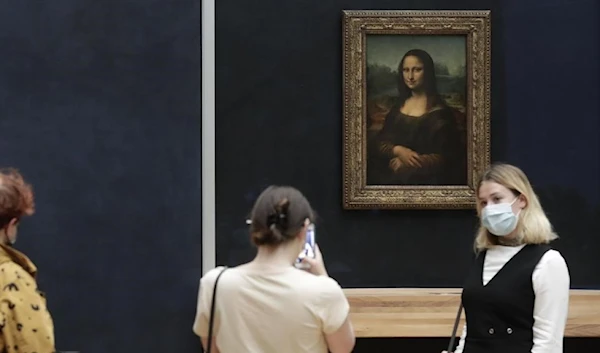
[356, 25]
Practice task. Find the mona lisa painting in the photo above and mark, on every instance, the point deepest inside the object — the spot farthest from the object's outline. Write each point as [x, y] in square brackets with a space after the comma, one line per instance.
[416, 108]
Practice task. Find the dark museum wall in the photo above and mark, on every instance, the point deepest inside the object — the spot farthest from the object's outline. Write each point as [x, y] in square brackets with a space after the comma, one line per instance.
[279, 121]
[100, 110]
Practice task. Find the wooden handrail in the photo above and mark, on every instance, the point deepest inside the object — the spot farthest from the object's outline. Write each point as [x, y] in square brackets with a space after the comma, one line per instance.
[415, 312]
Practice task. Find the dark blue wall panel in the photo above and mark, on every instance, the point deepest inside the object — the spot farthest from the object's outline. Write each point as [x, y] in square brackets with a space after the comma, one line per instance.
[100, 109]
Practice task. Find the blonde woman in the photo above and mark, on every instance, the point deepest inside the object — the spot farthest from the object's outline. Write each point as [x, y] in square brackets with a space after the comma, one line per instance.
[268, 305]
[516, 297]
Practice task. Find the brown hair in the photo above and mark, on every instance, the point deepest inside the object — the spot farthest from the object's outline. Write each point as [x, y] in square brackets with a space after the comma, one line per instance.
[278, 215]
[534, 226]
[16, 196]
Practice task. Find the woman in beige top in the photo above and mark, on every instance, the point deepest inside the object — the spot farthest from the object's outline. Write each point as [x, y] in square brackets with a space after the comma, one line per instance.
[268, 305]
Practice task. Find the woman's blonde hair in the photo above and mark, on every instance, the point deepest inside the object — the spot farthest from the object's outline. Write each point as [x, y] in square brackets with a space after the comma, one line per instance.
[533, 226]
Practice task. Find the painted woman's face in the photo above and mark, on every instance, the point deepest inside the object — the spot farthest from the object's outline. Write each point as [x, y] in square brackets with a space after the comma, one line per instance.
[413, 73]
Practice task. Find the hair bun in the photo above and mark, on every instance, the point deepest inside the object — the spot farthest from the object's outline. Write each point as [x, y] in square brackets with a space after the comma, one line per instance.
[265, 237]
[278, 215]
[279, 219]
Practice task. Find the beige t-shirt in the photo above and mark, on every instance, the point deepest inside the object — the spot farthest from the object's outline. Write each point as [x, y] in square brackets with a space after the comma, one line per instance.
[263, 310]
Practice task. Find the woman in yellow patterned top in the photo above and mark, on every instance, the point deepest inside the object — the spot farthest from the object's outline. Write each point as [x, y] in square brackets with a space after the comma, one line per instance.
[25, 323]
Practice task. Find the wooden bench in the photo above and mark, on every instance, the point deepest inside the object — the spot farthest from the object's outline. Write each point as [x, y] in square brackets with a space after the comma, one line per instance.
[408, 312]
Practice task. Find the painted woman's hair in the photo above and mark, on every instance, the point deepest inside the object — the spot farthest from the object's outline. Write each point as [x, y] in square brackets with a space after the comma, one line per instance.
[430, 81]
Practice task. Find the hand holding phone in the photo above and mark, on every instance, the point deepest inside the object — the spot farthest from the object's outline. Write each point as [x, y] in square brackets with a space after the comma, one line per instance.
[310, 259]
[309, 248]
[315, 266]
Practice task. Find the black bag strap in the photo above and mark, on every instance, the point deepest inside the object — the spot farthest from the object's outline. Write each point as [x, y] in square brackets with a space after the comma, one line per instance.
[453, 337]
[457, 320]
[212, 313]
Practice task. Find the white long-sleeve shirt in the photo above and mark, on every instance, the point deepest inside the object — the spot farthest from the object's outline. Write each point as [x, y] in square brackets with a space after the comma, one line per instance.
[551, 282]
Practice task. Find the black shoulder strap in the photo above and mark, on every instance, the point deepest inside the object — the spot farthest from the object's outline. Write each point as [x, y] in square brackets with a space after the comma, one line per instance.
[456, 321]
[212, 313]
[460, 309]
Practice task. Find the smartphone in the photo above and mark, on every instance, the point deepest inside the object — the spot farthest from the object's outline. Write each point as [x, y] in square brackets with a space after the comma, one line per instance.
[309, 247]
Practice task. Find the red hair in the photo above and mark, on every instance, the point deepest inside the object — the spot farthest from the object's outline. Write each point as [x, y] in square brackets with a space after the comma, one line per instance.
[16, 196]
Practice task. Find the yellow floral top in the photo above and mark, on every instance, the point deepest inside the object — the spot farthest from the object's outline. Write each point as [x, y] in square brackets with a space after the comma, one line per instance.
[25, 323]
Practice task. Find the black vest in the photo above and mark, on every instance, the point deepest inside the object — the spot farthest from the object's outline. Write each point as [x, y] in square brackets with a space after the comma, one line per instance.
[500, 314]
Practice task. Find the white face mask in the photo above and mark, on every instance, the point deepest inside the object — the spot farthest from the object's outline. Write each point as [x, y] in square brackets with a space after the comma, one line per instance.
[499, 219]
